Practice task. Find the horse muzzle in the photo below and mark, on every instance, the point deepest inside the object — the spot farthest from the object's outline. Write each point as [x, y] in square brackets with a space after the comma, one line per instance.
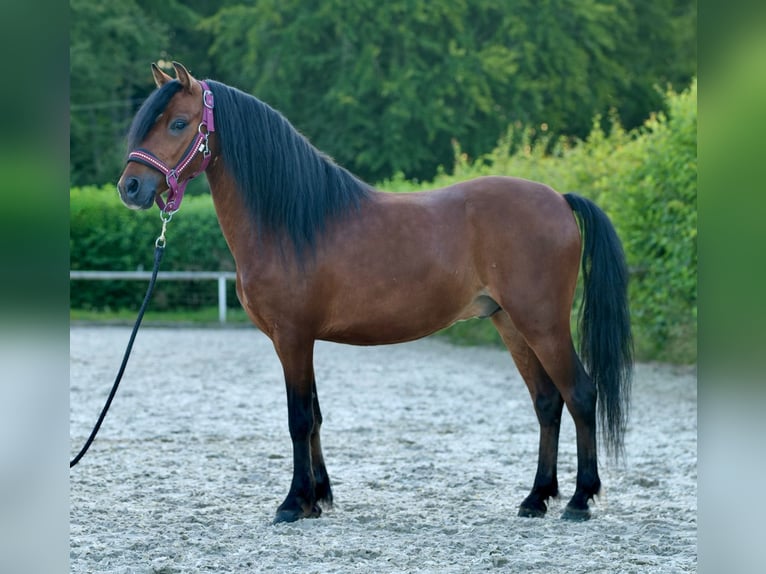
[138, 191]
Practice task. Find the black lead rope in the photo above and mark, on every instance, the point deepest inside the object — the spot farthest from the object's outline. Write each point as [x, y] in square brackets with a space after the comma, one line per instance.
[159, 249]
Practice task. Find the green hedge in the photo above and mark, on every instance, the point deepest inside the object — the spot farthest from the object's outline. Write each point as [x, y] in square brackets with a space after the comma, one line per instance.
[655, 212]
[105, 235]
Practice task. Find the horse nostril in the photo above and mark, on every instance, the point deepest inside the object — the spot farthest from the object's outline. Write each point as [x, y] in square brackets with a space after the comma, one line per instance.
[132, 185]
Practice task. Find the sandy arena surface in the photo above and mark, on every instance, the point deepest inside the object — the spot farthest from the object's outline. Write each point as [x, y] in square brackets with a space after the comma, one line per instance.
[430, 448]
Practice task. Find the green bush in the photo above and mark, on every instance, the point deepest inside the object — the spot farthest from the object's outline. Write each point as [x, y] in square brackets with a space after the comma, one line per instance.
[105, 235]
[655, 212]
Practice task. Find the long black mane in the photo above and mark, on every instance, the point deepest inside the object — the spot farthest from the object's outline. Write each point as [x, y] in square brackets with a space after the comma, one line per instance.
[289, 187]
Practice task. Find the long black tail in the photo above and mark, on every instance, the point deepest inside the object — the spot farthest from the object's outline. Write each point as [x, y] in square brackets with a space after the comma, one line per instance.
[606, 343]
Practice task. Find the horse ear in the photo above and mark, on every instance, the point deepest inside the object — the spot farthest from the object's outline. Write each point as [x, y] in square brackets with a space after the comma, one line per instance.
[183, 76]
[160, 77]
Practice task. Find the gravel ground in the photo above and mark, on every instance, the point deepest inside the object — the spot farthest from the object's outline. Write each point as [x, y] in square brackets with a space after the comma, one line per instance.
[430, 448]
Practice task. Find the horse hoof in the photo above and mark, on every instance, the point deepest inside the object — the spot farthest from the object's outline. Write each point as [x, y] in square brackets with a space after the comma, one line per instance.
[576, 514]
[287, 516]
[533, 506]
[529, 512]
[292, 515]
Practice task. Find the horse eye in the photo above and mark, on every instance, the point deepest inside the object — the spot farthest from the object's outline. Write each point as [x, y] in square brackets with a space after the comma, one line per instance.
[178, 125]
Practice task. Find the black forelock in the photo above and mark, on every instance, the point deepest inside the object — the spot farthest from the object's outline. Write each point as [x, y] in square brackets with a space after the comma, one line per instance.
[147, 114]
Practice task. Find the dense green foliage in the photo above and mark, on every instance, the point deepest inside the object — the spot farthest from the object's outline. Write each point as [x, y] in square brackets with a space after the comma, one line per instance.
[383, 87]
[655, 210]
[646, 180]
[104, 235]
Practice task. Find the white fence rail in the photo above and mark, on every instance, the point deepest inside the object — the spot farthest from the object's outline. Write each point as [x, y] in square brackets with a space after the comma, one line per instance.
[220, 276]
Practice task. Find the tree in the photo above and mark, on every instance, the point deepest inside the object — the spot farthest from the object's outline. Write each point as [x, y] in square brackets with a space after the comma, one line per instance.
[111, 47]
[385, 86]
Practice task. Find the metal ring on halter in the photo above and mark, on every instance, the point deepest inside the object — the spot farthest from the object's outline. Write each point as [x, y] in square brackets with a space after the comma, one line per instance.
[204, 148]
[165, 216]
[171, 175]
[205, 95]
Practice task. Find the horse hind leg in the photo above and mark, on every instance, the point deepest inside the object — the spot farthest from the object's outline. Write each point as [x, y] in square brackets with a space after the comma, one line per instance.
[582, 406]
[559, 359]
[548, 405]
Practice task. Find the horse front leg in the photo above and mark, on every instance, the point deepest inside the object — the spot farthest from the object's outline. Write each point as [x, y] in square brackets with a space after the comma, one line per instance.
[301, 500]
[323, 489]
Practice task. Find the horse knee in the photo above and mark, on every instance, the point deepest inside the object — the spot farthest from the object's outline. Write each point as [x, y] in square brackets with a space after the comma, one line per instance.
[581, 402]
[548, 408]
[301, 418]
[301, 426]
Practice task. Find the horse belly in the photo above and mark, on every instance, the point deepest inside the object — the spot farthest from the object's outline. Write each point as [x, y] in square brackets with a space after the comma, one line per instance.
[409, 273]
[403, 314]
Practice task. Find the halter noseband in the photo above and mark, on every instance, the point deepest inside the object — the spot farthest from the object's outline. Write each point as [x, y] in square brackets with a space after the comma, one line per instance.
[176, 186]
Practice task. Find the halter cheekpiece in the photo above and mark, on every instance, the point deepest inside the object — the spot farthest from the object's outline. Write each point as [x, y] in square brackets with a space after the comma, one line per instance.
[176, 185]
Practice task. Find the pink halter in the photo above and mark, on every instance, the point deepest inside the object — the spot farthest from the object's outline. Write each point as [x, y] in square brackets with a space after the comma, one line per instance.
[176, 185]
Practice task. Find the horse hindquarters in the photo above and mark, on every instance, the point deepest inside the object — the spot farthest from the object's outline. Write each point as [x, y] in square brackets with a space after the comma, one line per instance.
[536, 292]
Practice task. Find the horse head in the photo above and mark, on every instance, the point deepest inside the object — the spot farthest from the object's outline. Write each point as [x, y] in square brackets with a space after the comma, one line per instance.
[172, 128]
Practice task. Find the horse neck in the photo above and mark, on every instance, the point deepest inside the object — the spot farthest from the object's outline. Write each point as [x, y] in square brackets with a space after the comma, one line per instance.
[237, 227]
[253, 249]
